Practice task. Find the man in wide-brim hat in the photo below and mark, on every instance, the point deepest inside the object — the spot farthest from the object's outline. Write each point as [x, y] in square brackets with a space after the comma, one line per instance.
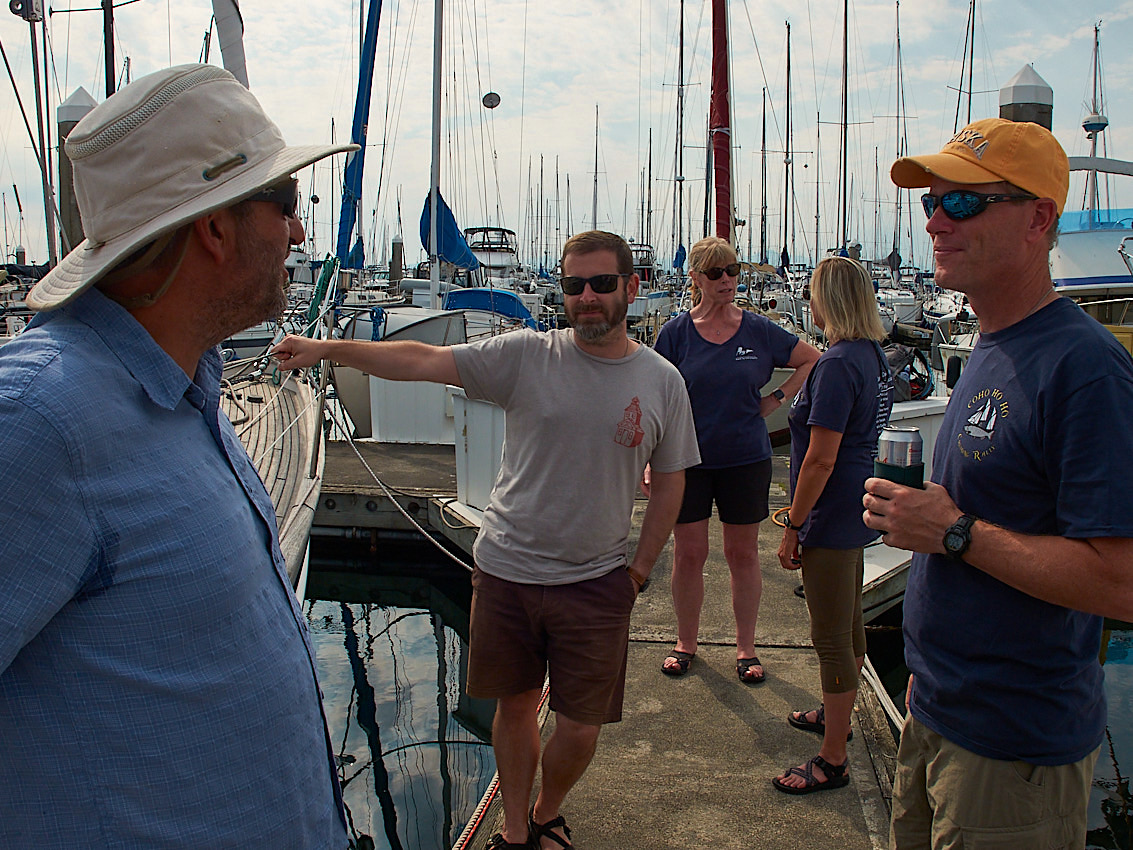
[157, 682]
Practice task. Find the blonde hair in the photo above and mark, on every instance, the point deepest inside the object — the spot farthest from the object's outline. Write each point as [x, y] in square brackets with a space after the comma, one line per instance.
[845, 297]
[709, 252]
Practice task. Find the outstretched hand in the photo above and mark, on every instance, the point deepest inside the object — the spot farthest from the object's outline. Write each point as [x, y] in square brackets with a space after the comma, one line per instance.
[909, 518]
[297, 352]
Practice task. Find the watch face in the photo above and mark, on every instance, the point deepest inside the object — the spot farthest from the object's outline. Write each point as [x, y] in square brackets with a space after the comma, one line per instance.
[953, 541]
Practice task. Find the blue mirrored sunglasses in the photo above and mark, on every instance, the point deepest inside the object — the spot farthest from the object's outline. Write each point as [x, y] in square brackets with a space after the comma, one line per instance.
[960, 204]
[600, 283]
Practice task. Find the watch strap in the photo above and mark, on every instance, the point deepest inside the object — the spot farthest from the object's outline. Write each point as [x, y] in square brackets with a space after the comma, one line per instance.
[963, 527]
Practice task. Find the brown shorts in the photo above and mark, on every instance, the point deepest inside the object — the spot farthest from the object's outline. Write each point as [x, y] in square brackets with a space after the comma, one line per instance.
[578, 632]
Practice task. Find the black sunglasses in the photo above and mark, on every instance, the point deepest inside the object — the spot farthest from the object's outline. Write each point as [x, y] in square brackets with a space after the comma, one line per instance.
[285, 193]
[731, 270]
[600, 283]
[960, 204]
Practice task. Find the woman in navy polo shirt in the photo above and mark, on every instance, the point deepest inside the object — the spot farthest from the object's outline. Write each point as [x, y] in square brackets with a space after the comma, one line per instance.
[835, 424]
[726, 355]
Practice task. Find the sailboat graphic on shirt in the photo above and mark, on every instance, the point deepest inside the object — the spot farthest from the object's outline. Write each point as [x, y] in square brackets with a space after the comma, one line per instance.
[982, 423]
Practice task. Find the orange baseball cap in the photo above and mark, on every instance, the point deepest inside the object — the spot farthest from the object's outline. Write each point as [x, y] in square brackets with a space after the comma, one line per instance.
[991, 150]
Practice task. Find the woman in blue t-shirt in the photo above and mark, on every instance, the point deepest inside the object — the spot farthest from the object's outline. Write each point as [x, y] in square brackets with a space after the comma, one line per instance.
[835, 423]
[726, 356]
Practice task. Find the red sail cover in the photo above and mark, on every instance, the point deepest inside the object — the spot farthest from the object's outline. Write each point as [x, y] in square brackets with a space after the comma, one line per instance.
[720, 121]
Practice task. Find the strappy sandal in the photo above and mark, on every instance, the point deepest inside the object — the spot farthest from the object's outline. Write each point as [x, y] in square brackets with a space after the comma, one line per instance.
[836, 777]
[496, 842]
[683, 659]
[743, 668]
[538, 832]
[818, 725]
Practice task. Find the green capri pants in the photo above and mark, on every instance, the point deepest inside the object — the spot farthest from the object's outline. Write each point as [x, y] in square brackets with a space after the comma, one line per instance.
[832, 579]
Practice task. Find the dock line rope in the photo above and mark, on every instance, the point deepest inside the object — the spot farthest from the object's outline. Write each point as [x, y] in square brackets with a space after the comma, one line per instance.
[895, 715]
[389, 494]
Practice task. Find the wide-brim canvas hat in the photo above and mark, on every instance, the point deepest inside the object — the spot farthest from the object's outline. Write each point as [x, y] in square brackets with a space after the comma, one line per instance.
[990, 151]
[164, 150]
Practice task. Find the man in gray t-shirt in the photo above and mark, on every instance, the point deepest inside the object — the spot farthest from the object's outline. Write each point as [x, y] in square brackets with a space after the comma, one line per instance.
[586, 409]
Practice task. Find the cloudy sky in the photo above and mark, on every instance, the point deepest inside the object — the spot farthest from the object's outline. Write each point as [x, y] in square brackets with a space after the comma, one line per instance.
[529, 164]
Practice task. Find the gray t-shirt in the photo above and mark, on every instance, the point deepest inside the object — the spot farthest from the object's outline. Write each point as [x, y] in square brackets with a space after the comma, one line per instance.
[579, 432]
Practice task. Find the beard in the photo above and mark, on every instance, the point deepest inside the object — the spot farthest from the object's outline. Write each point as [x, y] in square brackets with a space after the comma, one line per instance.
[594, 326]
[258, 289]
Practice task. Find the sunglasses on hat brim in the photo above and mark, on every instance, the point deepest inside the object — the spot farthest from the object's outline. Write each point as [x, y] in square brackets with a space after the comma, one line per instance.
[960, 204]
[599, 283]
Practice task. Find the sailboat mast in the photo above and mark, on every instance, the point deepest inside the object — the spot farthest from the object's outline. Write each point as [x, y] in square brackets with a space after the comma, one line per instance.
[435, 167]
[966, 64]
[44, 146]
[785, 257]
[900, 151]
[594, 203]
[678, 234]
[108, 43]
[648, 235]
[817, 183]
[1094, 124]
[763, 186]
[843, 207]
[720, 121]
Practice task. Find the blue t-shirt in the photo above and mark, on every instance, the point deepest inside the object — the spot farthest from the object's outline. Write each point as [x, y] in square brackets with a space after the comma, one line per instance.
[1035, 440]
[724, 380]
[849, 390]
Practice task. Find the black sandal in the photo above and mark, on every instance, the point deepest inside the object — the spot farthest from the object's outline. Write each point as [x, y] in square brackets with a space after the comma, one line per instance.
[683, 659]
[835, 777]
[538, 832]
[818, 725]
[496, 842]
[743, 667]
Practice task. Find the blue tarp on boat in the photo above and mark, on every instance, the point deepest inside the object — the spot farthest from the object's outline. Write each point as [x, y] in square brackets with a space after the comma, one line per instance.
[500, 301]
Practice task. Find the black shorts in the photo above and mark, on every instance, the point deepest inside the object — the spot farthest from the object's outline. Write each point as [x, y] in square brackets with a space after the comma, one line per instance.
[740, 493]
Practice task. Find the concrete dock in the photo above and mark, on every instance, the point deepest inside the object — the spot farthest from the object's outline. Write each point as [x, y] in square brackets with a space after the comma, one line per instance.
[691, 763]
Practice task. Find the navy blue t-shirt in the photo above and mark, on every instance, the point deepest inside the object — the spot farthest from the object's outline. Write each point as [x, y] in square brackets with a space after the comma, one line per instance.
[724, 380]
[1035, 439]
[849, 390]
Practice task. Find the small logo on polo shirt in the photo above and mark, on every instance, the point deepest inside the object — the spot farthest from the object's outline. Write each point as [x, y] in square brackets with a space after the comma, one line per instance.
[745, 353]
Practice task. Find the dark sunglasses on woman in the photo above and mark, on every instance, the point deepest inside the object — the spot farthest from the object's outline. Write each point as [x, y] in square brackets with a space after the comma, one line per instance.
[960, 204]
[731, 270]
[600, 283]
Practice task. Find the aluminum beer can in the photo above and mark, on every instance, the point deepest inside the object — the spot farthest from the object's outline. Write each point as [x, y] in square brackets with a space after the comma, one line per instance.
[900, 446]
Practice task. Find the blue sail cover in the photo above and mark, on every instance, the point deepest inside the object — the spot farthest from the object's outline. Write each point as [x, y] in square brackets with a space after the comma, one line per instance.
[453, 248]
[355, 160]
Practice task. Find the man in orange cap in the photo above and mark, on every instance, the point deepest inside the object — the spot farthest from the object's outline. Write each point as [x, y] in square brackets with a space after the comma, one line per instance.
[1023, 539]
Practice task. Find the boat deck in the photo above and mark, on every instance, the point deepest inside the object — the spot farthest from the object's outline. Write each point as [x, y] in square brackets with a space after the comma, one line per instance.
[690, 764]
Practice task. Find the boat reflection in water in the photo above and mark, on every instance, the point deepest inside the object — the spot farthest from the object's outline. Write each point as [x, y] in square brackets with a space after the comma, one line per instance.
[391, 642]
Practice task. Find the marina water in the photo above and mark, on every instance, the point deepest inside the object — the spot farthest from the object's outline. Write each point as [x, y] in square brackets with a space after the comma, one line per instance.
[390, 630]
